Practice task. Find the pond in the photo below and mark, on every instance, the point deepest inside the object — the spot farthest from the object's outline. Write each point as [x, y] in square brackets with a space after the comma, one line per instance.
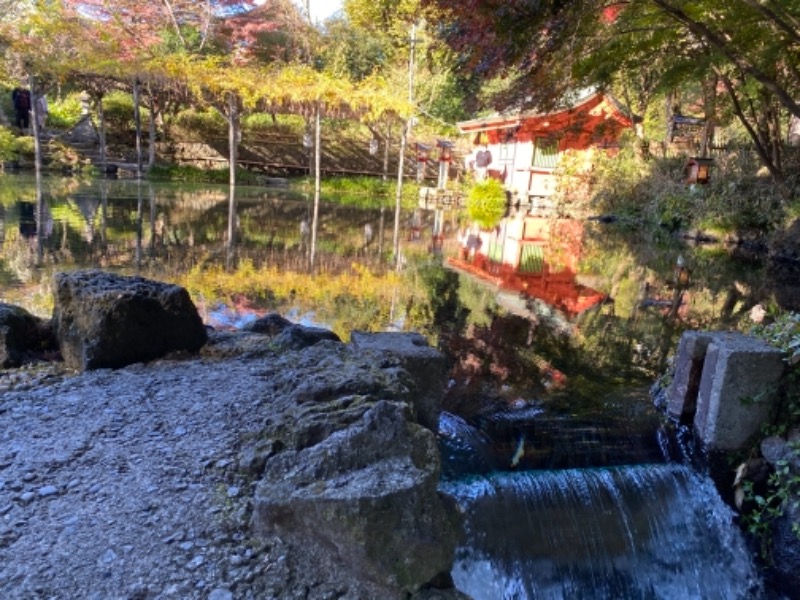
[569, 481]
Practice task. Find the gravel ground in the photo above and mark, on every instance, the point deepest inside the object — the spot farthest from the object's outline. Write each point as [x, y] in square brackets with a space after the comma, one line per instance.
[123, 484]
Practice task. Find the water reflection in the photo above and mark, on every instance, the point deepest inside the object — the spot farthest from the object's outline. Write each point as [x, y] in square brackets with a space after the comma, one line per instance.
[138, 226]
[542, 304]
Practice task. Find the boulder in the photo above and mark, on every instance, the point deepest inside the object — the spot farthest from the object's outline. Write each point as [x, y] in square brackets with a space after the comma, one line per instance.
[104, 320]
[415, 356]
[297, 337]
[364, 499]
[776, 449]
[785, 551]
[348, 476]
[270, 324]
[783, 267]
[330, 386]
[21, 335]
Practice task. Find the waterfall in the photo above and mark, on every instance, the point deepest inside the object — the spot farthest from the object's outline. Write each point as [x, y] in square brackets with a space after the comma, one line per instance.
[650, 531]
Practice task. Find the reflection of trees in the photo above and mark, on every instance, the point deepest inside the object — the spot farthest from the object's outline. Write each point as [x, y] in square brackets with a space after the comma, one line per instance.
[166, 230]
[501, 357]
[443, 313]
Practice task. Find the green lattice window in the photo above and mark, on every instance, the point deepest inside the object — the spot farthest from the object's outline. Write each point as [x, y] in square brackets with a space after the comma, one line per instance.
[495, 252]
[545, 153]
[531, 259]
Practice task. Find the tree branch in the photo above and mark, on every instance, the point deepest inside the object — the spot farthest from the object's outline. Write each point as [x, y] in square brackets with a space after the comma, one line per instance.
[704, 32]
[737, 109]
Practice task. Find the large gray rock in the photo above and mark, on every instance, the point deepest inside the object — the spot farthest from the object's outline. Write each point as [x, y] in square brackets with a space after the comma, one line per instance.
[415, 356]
[366, 500]
[107, 320]
[348, 476]
[297, 337]
[785, 551]
[22, 334]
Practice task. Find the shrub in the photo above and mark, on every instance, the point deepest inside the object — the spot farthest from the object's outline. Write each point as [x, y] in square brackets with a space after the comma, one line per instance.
[118, 113]
[64, 113]
[8, 144]
[202, 122]
[13, 147]
[486, 203]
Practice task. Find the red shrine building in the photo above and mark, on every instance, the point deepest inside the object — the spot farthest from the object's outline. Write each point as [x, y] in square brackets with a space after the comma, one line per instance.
[529, 253]
[527, 146]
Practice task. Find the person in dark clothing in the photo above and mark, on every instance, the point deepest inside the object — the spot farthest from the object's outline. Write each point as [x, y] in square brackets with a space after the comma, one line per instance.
[21, 99]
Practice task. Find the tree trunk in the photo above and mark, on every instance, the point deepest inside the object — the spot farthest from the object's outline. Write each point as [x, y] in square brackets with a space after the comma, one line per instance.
[233, 157]
[385, 175]
[101, 120]
[709, 113]
[137, 118]
[233, 138]
[37, 144]
[399, 195]
[317, 155]
[151, 150]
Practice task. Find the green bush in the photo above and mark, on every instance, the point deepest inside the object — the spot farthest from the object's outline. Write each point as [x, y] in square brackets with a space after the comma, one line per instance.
[64, 113]
[201, 122]
[263, 123]
[13, 147]
[737, 198]
[119, 115]
[486, 203]
[8, 144]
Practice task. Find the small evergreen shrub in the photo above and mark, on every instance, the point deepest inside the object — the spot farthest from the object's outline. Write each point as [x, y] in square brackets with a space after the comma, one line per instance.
[64, 113]
[201, 122]
[486, 203]
[13, 147]
[118, 112]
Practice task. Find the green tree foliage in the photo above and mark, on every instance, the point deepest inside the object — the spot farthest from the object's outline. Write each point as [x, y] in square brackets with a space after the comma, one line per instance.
[354, 52]
[643, 47]
[389, 20]
[443, 310]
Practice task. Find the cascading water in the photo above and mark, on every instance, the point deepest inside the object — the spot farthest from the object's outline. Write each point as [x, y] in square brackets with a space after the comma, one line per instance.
[646, 531]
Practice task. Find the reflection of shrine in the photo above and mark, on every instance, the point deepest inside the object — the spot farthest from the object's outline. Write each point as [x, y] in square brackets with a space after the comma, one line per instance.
[535, 257]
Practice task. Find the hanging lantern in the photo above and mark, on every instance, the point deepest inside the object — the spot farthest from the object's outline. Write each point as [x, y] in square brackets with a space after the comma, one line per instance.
[698, 170]
[373, 146]
[445, 150]
[422, 153]
[681, 274]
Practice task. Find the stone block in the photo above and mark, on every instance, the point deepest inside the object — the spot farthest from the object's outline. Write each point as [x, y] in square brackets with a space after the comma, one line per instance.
[682, 394]
[738, 389]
